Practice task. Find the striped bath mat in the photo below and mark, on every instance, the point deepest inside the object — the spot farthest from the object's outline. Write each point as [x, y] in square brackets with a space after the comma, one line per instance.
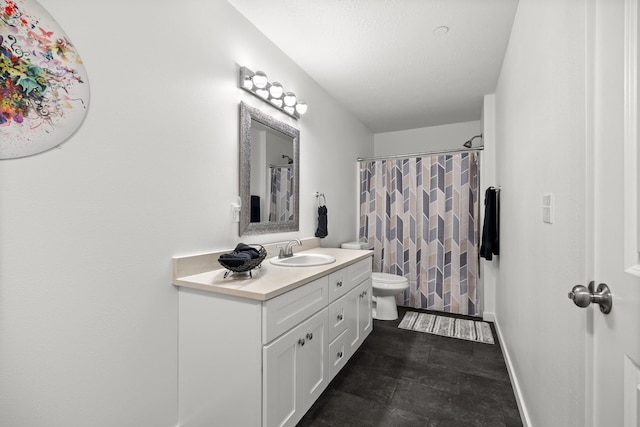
[447, 326]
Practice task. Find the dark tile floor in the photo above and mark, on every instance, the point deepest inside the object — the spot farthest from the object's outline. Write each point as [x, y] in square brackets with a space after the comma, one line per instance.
[407, 378]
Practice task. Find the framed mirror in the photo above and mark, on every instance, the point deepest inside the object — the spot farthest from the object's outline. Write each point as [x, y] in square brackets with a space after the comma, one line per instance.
[269, 173]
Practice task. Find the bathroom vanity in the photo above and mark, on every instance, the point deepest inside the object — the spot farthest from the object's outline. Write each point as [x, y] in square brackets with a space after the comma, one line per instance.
[259, 351]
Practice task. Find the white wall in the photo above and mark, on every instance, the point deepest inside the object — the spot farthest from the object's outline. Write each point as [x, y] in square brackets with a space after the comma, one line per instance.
[540, 146]
[488, 269]
[433, 138]
[88, 315]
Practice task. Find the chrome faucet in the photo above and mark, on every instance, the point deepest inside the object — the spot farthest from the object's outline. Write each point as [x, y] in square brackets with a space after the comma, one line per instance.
[288, 250]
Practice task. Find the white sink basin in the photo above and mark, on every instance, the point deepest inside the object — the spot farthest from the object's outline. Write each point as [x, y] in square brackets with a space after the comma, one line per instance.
[303, 260]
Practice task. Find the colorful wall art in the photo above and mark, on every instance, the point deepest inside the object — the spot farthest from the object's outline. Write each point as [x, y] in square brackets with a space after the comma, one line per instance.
[44, 90]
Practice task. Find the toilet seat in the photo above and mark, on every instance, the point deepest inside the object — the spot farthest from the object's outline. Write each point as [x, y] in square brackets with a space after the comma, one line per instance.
[388, 278]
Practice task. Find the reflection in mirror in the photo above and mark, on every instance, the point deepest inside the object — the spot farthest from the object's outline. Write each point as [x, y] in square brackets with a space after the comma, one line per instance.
[269, 173]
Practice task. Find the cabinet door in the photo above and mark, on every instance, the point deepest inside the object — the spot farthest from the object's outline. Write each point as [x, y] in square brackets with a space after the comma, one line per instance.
[352, 316]
[359, 319]
[296, 371]
[365, 319]
[316, 368]
[281, 380]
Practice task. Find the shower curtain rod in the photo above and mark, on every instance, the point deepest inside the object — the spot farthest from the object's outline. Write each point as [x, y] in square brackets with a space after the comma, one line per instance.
[428, 153]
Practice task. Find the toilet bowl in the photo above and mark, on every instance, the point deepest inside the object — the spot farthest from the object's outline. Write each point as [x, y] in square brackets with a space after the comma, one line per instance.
[385, 288]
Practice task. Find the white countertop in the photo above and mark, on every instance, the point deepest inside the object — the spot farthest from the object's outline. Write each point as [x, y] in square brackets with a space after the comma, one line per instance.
[269, 280]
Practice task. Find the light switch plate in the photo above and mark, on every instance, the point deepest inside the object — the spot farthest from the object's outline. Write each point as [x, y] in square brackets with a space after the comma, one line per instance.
[547, 208]
[235, 212]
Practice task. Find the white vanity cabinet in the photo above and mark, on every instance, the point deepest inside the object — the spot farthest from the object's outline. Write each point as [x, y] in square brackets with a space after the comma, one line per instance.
[300, 364]
[250, 362]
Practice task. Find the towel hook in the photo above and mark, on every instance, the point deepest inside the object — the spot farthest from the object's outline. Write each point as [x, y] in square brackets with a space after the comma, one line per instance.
[321, 199]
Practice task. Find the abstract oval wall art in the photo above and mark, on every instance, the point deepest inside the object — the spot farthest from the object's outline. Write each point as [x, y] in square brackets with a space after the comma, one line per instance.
[44, 90]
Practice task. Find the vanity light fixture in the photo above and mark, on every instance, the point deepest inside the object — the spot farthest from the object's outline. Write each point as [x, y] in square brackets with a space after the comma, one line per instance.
[274, 93]
[301, 107]
[260, 80]
[276, 90]
[290, 99]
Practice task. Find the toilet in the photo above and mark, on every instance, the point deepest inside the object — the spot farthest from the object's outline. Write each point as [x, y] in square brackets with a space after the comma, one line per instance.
[385, 288]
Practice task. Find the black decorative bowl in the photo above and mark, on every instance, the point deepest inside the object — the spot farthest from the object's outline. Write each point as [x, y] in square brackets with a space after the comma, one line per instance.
[242, 266]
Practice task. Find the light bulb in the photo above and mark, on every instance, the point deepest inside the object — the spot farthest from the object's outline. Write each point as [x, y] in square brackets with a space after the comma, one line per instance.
[276, 90]
[260, 79]
[301, 107]
[247, 83]
[262, 93]
[289, 110]
[276, 102]
[289, 99]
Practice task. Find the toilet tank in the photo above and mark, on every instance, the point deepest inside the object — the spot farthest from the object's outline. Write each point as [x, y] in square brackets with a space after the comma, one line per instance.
[355, 245]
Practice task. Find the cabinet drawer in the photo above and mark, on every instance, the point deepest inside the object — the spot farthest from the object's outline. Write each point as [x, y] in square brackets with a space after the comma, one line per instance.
[360, 271]
[337, 318]
[338, 284]
[342, 281]
[338, 353]
[289, 309]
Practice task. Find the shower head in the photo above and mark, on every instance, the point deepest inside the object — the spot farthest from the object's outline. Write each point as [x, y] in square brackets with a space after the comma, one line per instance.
[469, 143]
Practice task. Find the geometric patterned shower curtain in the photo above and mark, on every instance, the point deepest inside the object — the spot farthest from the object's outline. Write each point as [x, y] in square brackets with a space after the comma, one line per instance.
[281, 205]
[420, 216]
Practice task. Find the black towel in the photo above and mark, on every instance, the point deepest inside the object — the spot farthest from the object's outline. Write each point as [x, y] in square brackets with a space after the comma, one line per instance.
[322, 230]
[240, 255]
[233, 260]
[255, 209]
[243, 250]
[491, 228]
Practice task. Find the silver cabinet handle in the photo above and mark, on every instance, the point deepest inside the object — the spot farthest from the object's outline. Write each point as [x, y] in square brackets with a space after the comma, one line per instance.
[301, 341]
[339, 354]
[310, 336]
[339, 284]
[340, 317]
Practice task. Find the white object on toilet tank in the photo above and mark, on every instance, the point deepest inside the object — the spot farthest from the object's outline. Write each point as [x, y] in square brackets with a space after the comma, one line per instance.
[354, 245]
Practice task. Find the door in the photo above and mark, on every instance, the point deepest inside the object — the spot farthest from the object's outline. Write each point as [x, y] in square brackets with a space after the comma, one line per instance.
[613, 340]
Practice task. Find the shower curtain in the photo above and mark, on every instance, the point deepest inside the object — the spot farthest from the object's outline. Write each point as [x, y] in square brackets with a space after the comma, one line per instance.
[420, 216]
[281, 204]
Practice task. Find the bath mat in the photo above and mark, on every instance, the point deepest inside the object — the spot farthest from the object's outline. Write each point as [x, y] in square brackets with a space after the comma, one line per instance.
[447, 326]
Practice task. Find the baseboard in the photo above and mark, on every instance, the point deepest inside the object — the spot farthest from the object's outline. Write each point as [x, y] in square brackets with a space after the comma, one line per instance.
[524, 414]
[488, 317]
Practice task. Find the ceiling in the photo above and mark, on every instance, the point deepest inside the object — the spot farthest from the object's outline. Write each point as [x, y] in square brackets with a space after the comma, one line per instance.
[382, 60]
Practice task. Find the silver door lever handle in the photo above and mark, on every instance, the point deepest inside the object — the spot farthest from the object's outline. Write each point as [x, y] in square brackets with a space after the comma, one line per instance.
[583, 296]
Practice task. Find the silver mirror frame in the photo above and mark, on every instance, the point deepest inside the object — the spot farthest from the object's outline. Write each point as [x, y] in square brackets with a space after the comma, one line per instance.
[247, 115]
